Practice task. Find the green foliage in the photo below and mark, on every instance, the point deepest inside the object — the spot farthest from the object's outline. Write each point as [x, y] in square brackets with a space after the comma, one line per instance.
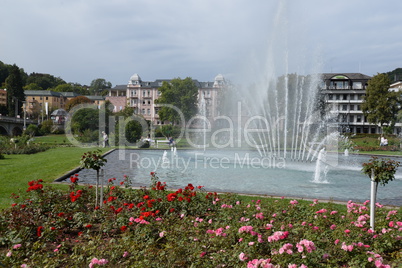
[32, 130]
[133, 131]
[189, 227]
[20, 145]
[15, 91]
[182, 94]
[32, 86]
[169, 131]
[85, 120]
[384, 169]
[380, 104]
[46, 127]
[93, 160]
[45, 81]
[98, 86]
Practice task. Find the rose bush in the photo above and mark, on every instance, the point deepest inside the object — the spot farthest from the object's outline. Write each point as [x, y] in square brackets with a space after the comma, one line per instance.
[190, 227]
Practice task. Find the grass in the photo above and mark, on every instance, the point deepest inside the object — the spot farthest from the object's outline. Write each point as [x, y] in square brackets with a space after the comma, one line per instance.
[17, 170]
[53, 139]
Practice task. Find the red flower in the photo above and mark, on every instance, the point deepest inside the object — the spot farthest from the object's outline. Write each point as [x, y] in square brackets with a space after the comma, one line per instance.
[35, 185]
[146, 197]
[61, 214]
[88, 226]
[123, 228]
[39, 231]
[152, 173]
[73, 179]
[171, 197]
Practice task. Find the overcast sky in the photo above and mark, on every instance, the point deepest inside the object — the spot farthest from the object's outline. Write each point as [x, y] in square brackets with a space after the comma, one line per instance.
[81, 40]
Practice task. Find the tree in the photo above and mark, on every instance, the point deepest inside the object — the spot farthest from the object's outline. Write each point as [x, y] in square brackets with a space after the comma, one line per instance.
[380, 105]
[64, 88]
[15, 91]
[98, 86]
[4, 72]
[45, 81]
[182, 94]
[32, 86]
[75, 101]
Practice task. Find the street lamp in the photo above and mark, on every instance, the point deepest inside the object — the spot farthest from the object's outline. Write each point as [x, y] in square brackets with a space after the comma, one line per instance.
[25, 117]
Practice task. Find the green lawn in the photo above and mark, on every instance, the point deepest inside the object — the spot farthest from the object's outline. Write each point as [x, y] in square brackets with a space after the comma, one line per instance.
[17, 170]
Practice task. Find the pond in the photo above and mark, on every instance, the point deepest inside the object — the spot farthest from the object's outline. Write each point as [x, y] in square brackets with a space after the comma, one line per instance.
[340, 177]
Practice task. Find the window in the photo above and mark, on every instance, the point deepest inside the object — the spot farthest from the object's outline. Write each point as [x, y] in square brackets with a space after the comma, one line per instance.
[330, 96]
[143, 111]
[149, 93]
[149, 111]
[344, 107]
[351, 118]
[358, 118]
[143, 102]
[46, 98]
[149, 102]
[352, 107]
[357, 85]
[337, 96]
[345, 96]
[358, 107]
[134, 93]
[143, 93]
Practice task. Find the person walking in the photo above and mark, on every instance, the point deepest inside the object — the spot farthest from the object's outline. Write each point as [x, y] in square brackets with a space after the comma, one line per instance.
[105, 139]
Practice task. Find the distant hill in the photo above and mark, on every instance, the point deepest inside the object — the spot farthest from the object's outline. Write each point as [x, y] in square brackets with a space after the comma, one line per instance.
[395, 75]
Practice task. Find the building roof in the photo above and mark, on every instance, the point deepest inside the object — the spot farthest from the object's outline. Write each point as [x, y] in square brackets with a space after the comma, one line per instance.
[93, 98]
[70, 94]
[352, 76]
[42, 93]
[119, 87]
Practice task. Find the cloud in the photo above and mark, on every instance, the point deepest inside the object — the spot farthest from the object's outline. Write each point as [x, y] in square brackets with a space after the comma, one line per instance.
[84, 40]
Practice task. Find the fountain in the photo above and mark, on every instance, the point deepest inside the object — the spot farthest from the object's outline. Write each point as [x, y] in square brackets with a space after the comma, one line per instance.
[321, 168]
[294, 153]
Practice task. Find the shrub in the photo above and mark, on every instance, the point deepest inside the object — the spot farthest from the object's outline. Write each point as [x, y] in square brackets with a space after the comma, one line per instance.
[189, 227]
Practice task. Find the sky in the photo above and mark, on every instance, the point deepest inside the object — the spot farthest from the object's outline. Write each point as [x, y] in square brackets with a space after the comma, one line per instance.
[82, 40]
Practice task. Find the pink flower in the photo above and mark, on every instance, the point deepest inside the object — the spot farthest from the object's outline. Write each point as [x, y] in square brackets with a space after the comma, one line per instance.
[294, 202]
[202, 254]
[16, 246]
[99, 262]
[125, 254]
[161, 234]
[278, 236]
[9, 253]
[333, 227]
[286, 248]
[242, 256]
[245, 229]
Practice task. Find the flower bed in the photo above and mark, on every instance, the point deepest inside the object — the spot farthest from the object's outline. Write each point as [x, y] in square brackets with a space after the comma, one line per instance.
[154, 227]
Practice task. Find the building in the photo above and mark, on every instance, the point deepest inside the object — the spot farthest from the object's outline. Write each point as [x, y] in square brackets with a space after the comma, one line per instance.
[141, 96]
[41, 103]
[343, 94]
[3, 97]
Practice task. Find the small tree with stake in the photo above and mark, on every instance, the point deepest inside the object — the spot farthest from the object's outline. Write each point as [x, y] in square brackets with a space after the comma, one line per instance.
[94, 160]
[379, 171]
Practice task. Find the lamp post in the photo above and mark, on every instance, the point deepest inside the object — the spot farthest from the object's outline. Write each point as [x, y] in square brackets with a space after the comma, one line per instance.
[25, 117]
